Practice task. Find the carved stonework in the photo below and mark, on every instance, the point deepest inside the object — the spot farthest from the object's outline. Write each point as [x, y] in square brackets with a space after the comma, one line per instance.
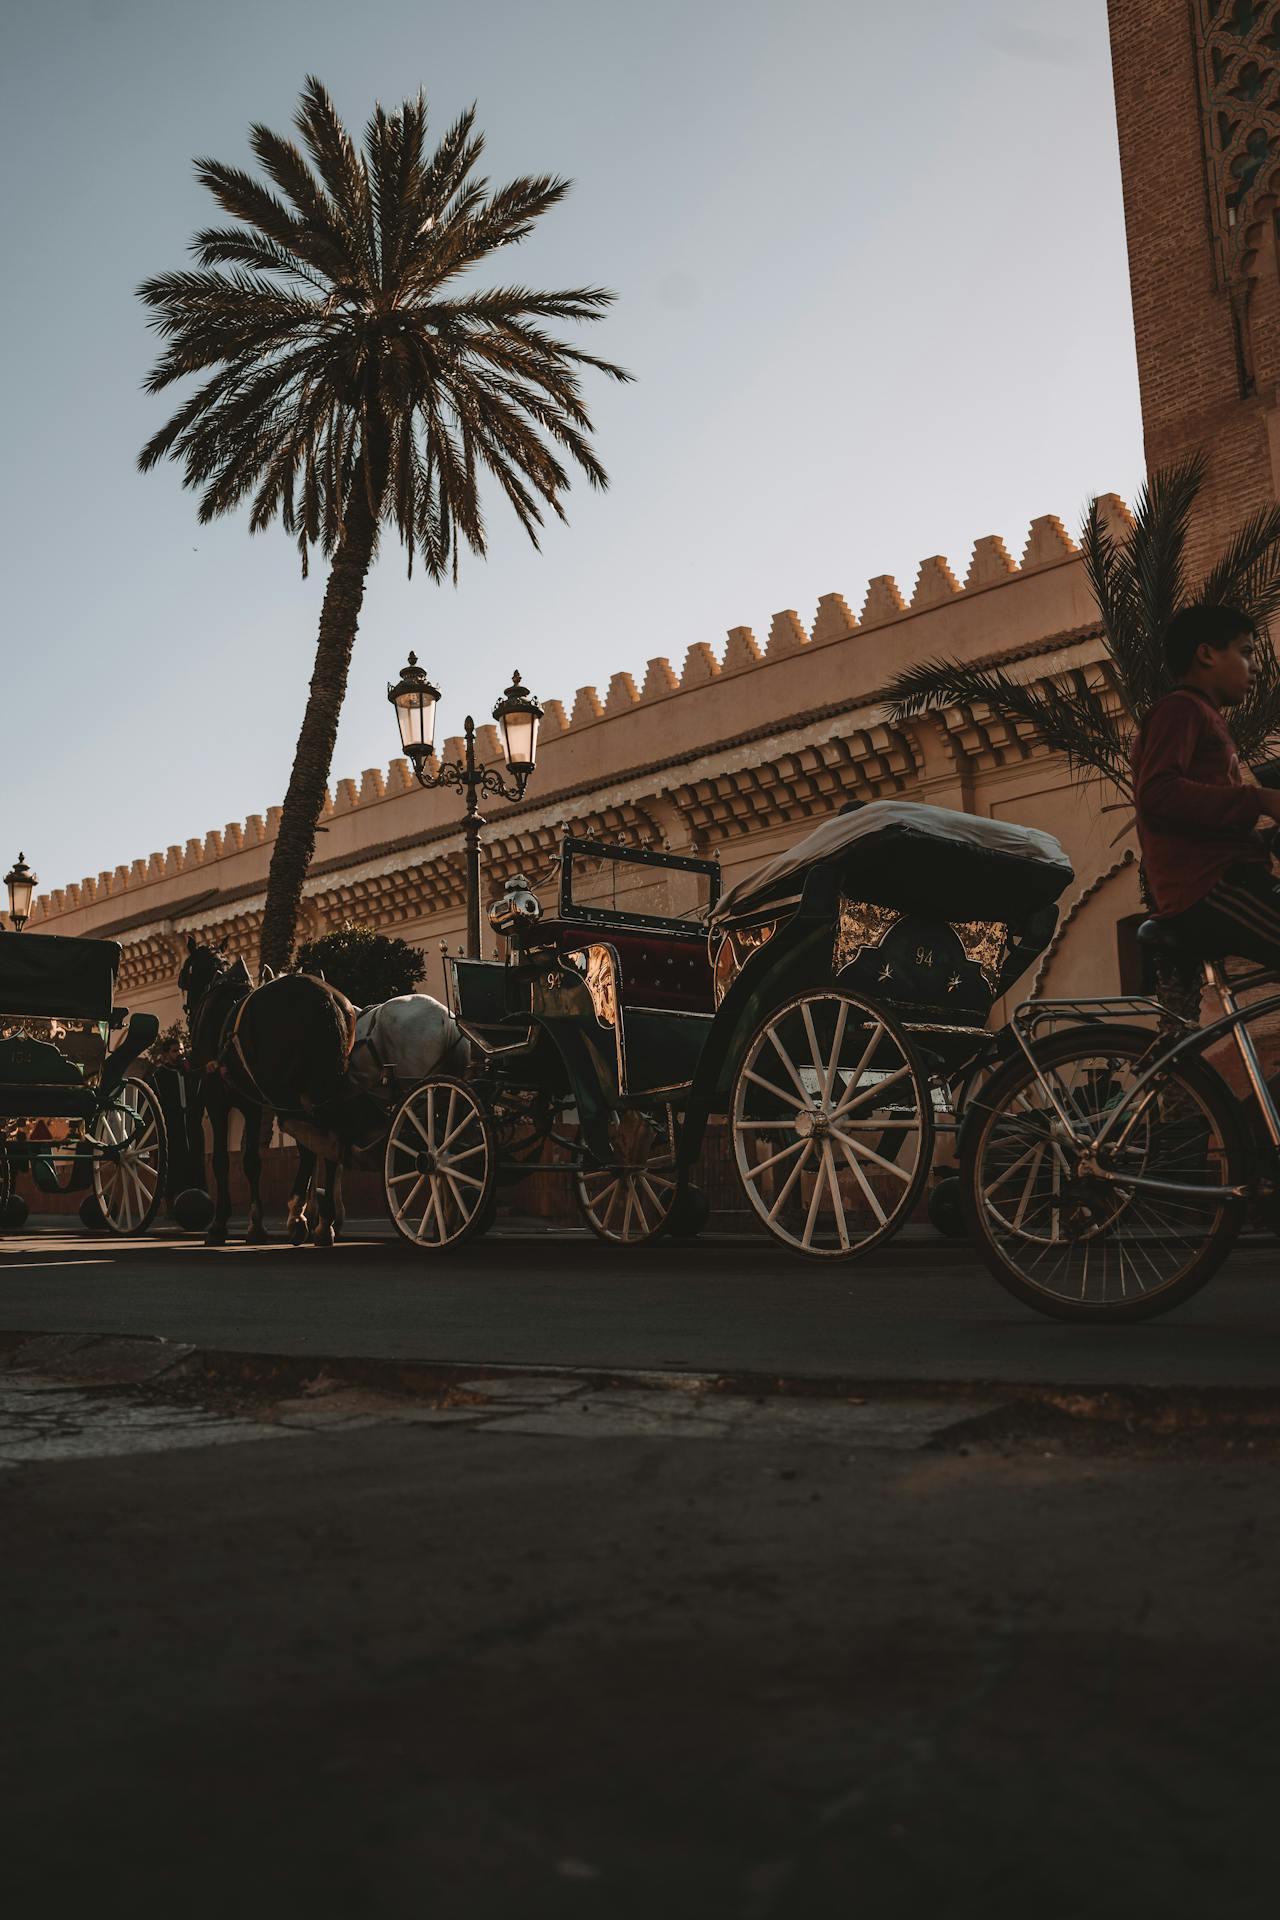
[1238, 56]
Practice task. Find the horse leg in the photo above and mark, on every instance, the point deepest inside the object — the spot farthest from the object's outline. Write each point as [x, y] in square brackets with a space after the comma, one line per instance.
[297, 1223]
[325, 1234]
[219, 1115]
[252, 1157]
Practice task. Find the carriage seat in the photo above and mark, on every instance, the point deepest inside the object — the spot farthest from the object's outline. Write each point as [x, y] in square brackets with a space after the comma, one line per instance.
[669, 971]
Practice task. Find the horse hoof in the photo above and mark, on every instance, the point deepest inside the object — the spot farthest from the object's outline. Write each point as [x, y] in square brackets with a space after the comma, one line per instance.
[258, 1237]
[324, 1236]
[216, 1237]
[298, 1234]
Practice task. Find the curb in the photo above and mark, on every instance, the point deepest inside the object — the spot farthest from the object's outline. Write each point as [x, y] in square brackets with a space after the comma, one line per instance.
[122, 1361]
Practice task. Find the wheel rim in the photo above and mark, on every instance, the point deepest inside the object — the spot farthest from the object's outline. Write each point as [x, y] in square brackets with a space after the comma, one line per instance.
[632, 1200]
[831, 1125]
[1085, 1241]
[127, 1179]
[439, 1165]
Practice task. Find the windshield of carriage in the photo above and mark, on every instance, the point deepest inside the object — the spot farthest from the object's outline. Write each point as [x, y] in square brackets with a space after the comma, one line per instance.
[636, 887]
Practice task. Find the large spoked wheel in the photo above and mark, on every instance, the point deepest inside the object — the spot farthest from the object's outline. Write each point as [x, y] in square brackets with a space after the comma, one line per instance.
[1078, 1247]
[632, 1200]
[832, 1124]
[440, 1165]
[6, 1185]
[131, 1158]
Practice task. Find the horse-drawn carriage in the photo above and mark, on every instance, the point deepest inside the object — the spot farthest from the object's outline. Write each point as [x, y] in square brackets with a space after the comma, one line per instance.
[832, 1008]
[70, 1112]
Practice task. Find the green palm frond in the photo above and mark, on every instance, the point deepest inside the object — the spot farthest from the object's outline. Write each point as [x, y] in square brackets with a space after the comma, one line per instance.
[334, 349]
[1074, 719]
[1247, 575]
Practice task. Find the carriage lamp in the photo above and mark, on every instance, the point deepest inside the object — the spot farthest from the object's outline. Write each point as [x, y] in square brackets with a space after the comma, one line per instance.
[21, 883]
[518, 715]
[414, 699]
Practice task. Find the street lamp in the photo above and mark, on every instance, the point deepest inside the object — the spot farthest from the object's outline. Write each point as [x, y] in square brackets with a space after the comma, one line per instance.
[21, 883]
[518, 716]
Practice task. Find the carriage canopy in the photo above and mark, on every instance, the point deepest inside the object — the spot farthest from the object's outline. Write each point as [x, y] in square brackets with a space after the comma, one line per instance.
[46, 975]
[931, 861]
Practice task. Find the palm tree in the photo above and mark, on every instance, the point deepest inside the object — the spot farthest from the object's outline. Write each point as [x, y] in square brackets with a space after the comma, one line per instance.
[348, 381]
[1139, 583]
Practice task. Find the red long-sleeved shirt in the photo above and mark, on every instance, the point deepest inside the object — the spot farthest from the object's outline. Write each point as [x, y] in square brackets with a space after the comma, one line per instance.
[1195, 815]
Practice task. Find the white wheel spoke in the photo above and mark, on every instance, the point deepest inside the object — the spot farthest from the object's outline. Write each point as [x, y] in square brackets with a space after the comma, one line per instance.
[829, 1167]
[760, 1081]
[877, 1159]
[852, 1101]
[815, 1203]
[789, 1064]
[790, 1181]
[412, 1195]
[834, 1062]
[868, 1191]
[762, 1166]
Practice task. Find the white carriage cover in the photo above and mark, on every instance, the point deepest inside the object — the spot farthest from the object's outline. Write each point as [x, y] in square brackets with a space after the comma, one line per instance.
[916, 857]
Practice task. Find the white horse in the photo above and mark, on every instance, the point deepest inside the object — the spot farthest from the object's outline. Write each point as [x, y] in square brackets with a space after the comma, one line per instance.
[399, 1043]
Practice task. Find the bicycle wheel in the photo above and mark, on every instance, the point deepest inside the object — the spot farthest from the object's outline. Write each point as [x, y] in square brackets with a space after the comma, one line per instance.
[1076, 1246]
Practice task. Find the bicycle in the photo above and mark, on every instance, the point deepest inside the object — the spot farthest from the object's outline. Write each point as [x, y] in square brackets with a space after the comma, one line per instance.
[1107, 1168]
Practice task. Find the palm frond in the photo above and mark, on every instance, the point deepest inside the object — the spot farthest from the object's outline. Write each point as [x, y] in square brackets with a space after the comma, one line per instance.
[330, 354]
[1075, 719]
[1247, 575]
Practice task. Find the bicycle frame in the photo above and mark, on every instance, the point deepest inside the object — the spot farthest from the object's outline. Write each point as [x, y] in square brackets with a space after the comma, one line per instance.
[1234, 1021]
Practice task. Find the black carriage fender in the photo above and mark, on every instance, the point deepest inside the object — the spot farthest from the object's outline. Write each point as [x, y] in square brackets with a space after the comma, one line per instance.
[137, 1037]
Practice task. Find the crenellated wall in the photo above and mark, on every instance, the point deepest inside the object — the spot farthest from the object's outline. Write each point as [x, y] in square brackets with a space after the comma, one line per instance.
[737, 752]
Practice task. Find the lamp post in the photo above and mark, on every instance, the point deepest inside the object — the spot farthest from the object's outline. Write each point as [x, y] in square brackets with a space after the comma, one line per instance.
[518, 715]
[21, 883]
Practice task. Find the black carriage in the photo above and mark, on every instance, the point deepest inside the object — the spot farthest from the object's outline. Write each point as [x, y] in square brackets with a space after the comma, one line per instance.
[71, 1114]
[831, 1008]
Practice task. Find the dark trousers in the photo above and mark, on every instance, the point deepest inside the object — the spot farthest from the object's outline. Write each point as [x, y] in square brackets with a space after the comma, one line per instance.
[1239, 918]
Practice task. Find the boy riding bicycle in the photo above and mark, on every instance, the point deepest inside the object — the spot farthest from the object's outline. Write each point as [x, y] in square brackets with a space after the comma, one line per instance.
[1208, 869]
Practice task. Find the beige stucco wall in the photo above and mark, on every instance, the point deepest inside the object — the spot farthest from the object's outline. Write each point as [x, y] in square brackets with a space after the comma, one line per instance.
[740, 753]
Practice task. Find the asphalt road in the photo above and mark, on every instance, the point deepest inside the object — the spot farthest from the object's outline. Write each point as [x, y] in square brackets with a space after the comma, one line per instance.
[923, 1310]
[625, 1660]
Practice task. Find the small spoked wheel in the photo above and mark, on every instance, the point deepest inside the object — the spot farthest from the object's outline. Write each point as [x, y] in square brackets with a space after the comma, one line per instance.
[131, 1157]
[632, 1200]
[440, 1165]
[832, 1124]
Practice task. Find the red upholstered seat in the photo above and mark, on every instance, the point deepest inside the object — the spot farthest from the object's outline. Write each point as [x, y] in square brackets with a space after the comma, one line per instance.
[666, 970]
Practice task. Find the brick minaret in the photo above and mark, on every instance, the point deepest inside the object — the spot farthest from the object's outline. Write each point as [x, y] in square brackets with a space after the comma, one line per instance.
[1197, 87]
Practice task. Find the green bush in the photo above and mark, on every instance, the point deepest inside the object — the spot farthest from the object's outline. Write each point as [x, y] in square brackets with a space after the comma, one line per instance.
[365, 965]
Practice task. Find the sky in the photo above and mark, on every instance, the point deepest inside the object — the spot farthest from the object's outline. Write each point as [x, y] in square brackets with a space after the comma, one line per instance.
[871, 283]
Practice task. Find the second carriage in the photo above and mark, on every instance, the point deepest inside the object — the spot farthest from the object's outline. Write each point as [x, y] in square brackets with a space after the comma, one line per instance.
[831, 1009]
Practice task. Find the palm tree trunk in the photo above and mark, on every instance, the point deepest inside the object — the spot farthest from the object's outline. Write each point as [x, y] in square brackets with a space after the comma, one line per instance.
[313, 756]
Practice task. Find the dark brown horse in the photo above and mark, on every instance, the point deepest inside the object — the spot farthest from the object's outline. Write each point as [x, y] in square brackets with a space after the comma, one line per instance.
[281, 1048]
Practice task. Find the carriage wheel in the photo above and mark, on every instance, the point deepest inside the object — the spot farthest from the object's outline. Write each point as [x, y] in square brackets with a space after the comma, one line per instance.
[631, 1201]
[131, 1158]
[832, 1124]
[440, 1164]
[6, 1185]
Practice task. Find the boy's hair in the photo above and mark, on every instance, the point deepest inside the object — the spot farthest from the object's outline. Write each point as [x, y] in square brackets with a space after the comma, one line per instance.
[1194, 627]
